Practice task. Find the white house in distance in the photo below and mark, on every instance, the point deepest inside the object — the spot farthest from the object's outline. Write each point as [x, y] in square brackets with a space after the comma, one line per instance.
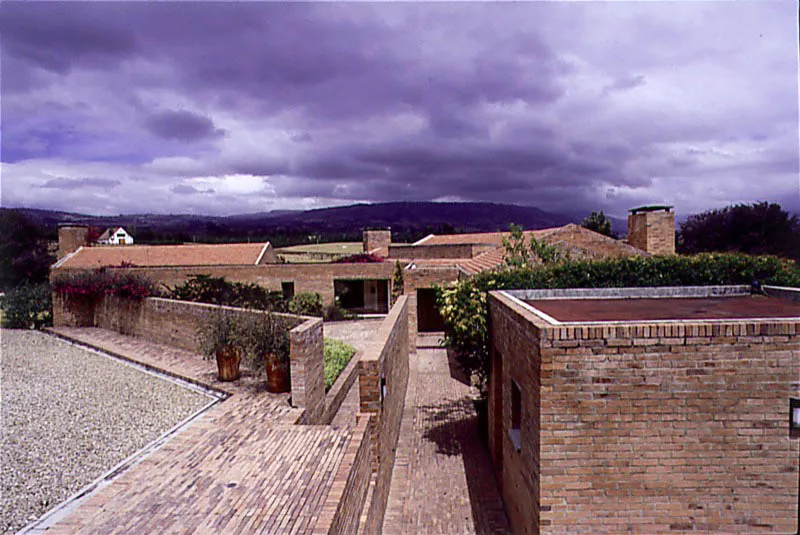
[115, 236]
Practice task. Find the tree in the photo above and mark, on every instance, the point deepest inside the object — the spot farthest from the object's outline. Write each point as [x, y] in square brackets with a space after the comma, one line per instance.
[518, 254]
[23, 251]
[758, 228]
[598, 222]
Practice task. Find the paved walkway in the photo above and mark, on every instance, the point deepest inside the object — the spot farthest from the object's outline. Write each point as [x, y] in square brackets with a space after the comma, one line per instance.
[443, 480]
[242, 467]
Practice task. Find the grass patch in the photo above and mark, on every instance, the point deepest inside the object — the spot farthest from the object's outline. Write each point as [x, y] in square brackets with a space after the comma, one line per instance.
[343, 248]
[337, 356]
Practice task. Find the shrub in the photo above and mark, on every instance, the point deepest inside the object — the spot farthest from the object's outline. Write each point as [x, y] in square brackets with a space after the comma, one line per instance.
[306, 304]
[218, 291]
[27, 307]
[334, 312]
[360, 258]
[398, 281]
[337, 356]
[264, 335]
[463, 305]
[95, 284]
[222, 329]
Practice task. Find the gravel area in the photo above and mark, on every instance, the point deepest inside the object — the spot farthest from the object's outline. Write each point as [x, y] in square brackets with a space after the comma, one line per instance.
[68, 416]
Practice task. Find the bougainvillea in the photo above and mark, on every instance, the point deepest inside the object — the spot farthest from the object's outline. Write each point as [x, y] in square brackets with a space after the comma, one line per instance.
[98, 283]
[361, 258]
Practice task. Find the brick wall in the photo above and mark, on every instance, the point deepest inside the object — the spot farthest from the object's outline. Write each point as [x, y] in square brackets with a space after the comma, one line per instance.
[385, 357]
[423, 277]
[306, 277]
[307, 370]
[377, 239]
[652, 428]
[70, 239]
[442, 250]
[175, 323]
[653, 232]
[341, 511]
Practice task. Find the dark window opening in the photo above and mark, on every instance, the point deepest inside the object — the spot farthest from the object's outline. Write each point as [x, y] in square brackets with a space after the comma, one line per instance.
[370, 296]
[288, 290]
[515, 432]
[428, 317]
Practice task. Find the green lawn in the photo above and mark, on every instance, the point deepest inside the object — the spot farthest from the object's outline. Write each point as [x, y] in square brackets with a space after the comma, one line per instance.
[345, 248]
[337, 356]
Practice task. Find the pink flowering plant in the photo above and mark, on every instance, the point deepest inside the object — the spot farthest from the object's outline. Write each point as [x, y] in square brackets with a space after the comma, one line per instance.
[98, 283]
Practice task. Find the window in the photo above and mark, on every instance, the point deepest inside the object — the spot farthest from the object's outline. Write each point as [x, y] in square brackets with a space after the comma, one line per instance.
[794, 418]
[514, 432]
[288, 290]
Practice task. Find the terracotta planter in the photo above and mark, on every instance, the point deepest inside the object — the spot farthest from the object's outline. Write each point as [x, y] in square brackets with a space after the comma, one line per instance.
[278, 378]
[228, 359]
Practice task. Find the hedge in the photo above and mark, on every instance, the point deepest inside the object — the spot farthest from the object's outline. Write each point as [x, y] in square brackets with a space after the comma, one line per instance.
[464, 304]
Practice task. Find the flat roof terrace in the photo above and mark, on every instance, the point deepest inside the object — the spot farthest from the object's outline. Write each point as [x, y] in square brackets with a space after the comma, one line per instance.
[606, 305]
[667, 308]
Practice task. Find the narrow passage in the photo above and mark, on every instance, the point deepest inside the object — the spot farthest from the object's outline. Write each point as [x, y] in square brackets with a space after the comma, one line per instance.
[443, 479]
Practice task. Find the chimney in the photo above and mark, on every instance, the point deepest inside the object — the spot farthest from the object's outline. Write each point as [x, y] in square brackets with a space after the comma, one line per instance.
[652, 229]
[377, 241]
[70, 238]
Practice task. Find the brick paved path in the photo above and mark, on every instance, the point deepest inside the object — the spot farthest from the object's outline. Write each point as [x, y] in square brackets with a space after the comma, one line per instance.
[240, 468]
[442, 480]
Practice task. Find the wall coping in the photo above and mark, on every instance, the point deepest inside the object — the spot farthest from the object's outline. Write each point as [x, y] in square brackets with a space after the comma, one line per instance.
[631, 293]
[666, 331]
[377, 346]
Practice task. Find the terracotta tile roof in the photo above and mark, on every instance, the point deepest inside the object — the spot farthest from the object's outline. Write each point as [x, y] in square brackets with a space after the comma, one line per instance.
[579, 242]
[228, 254]
[494, 238]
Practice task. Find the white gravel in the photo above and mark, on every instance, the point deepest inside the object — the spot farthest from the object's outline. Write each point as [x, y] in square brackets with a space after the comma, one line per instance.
[68, 416]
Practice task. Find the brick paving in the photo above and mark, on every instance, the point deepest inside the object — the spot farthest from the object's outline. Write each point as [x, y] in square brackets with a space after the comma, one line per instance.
[443, 480]
[242, 467]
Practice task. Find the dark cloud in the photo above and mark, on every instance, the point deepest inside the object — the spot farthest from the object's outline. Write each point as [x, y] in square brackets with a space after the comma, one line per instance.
[81, 183]
[560, 105]
[185, 189]
[182, 125]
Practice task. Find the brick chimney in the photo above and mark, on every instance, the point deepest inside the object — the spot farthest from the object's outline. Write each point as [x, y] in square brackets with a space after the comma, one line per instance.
[377, 241]
[70, 238]
[652, 229]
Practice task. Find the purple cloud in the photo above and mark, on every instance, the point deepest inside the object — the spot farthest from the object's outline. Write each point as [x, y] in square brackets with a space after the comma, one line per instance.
[81, 183]
[567, 106]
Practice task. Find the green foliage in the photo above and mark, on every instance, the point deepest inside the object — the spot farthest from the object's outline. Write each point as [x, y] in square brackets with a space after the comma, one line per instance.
[398, 281]
[263, 336]
[27, 306]
[598, 222]
[23, 251]
[97, 283]
[519, 255]
[218, 291]
[464, 304]
[334, 312]
[306, 304]
[758, 228]
[220, 330]
[337, 356]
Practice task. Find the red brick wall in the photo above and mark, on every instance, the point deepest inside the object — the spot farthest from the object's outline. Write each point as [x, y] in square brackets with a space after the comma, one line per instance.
[386, 356]
[651, 428]
[175, 323]
[306, 277]
[440, 250]
[423, 277]
[341, 511]
[653, 232]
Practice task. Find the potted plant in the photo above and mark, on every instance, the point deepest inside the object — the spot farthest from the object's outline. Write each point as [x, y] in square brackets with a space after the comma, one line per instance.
[267, 344]
[220, 338]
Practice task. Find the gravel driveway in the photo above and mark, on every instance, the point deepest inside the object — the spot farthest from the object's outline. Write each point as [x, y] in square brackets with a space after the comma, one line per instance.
[68, 416]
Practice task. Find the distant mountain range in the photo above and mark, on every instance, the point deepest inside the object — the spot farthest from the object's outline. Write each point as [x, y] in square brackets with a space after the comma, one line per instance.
[408, 220]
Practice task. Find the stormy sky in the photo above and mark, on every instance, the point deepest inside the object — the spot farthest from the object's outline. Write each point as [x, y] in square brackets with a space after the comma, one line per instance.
[222, 108]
